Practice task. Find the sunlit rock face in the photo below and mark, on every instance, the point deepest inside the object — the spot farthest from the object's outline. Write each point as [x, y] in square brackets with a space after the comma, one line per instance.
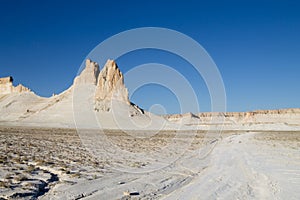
[110, 84]
[107, 86]
[6, 86]
[89, 74]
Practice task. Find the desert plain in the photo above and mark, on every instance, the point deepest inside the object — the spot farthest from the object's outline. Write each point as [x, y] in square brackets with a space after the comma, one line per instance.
[47, 163]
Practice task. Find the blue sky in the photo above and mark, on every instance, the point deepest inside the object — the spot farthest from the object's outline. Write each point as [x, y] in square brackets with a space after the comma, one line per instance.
[255, 44]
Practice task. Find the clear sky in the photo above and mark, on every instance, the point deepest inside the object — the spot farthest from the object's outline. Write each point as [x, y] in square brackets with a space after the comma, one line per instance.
[255, 44]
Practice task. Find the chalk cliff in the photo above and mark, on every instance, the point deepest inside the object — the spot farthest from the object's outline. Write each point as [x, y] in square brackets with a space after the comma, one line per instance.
[6, 86]
[110, 85]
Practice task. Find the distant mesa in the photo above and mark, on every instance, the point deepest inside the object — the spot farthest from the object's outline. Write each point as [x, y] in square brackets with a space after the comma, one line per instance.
[6, 86]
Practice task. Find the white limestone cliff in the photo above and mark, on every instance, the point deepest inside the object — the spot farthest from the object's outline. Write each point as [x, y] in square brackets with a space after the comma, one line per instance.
[89, 74]
[110, 85]
[6, 86]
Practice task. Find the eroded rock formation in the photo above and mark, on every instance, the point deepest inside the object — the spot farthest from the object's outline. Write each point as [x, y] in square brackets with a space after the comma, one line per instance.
[89, 74]
[110, 84]
[6, 86]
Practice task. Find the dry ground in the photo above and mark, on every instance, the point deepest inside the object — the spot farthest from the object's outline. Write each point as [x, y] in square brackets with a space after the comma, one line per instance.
[43, 163]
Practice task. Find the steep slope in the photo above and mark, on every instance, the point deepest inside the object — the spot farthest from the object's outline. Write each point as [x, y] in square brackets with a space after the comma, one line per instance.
[14, 106]
[55, 111]
[16, 102]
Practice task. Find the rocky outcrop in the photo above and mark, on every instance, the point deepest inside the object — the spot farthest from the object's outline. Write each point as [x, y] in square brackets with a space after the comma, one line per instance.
[109, 82]
[6, 80]
[20, 89]
[286, 119]
[89, 74]
[110, 88]
[6, 86]
[252, 113]
[175, 117]
[110, 85]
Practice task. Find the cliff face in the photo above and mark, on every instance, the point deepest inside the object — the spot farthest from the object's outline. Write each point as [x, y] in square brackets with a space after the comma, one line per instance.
[6, 86]
[109, 81]
[89, 74]
[283, 119]
[110, 85]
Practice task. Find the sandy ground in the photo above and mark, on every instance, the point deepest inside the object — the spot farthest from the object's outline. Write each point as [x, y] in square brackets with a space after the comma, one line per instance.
[41, 163]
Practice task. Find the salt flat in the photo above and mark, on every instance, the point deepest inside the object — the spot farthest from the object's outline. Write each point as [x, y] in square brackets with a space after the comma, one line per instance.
[44, 163]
